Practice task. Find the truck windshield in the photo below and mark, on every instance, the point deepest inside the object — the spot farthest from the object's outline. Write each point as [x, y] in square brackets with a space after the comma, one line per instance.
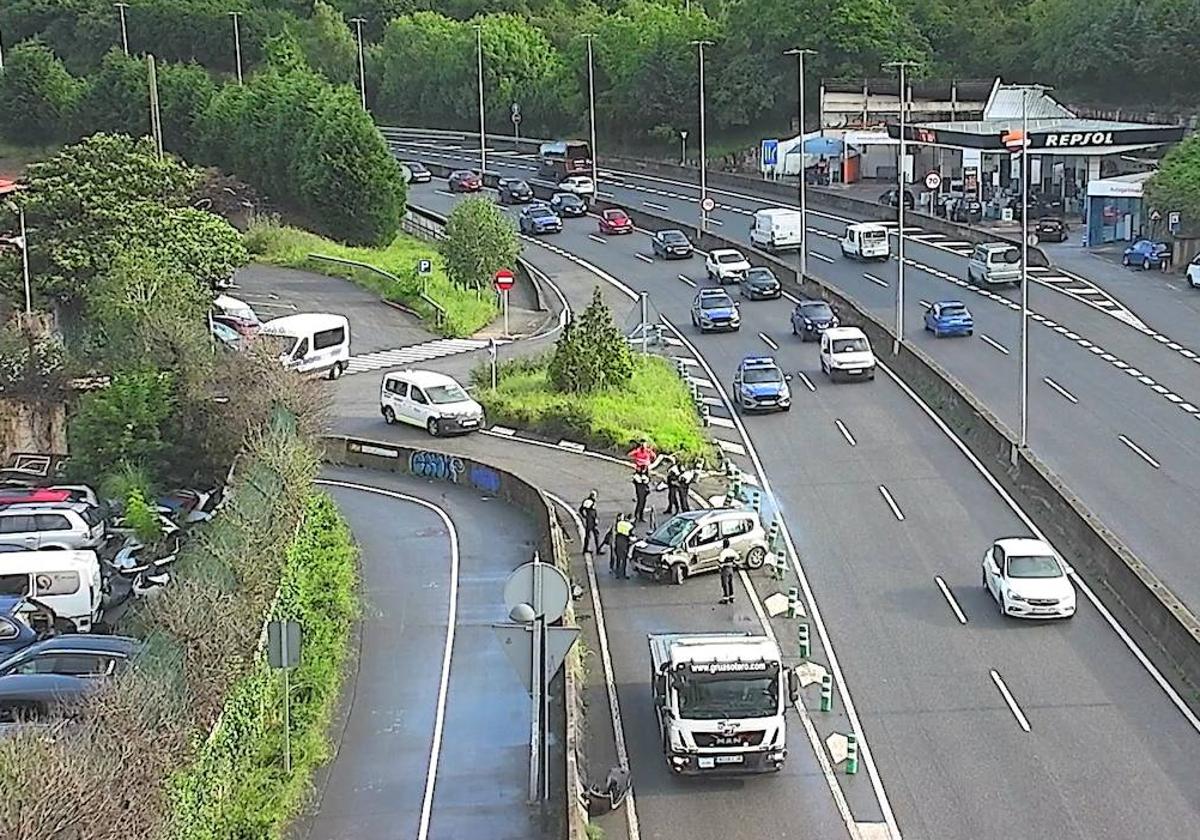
[734, 696]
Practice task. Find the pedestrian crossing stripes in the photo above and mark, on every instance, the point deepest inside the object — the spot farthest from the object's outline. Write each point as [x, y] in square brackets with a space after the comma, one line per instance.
[402, 356]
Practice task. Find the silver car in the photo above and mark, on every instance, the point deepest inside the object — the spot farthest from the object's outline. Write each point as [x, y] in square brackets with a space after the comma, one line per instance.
[690, 543]
[994, 264]
[44, 527]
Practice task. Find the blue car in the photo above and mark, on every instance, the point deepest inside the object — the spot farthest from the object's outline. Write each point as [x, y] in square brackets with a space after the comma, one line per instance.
[949, 317]
[759, 385]
[713, 309]
[1147, 254]
[539, 218]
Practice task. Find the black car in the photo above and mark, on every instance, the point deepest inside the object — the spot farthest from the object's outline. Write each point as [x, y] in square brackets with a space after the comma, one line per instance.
[418, 174]
[966, 210]
[1049, 229]
[514, 191]
[64, 668]
[760, 283]
[568, 204]
[671, 245]
[810, 318]
[889, 198]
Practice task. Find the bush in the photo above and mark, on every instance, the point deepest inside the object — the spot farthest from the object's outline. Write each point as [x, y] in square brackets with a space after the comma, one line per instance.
[591, 355]
[37, 93]
[122, 424]
[479, 240]
[142, 517]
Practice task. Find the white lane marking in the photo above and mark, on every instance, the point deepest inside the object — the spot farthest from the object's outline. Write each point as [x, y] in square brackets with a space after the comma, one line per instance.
[820, 256]
[604, 194]
[728, 445]
[877, 281]
[703, 383]
[654, 206]
[845, 433]
[439, 720]
[687, 280]
[446, 193]
[571, 446]
[768, 340]
[644, 258]
[887, 497]
[716, 222]
[610, 683]
[807, 382]
[1011, 701]
[1142, 453]
[1065, 393]
[596, 238]
[720, 421]
[504, 431]
[791, 297]
[958, 613]
[994, 343]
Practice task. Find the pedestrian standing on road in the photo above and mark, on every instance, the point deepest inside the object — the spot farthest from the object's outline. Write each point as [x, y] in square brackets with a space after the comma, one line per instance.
[686, 477]
[641, 492]
[673, 474]
[643, 455]
[729, 561]
[622, 544]
[588, 513]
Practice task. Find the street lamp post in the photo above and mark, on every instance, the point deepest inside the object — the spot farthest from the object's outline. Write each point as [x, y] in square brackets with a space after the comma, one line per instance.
[592, 110]
[121, 7]
[21, 240]
[362, 69]
[237, 45]
[700, 45]
[800, 53]
[683, 148]
[902, 66]
[482, 130]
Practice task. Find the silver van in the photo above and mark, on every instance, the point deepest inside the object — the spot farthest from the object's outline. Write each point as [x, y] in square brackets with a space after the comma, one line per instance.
[690, 543]
[994, 264]
[42, 527]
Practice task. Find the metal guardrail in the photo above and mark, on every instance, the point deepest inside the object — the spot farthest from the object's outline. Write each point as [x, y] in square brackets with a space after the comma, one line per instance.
[439, 311]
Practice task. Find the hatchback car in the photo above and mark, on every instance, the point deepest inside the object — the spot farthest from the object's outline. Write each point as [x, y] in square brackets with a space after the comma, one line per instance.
[615, 222]
[464, 180]
[760, 283]
[567, 204]
[760, 385]
[514, 191]
[539, 218]
[1147, 254]
[846, 354]
[1027, 579]
[1051, 229]
[44, 527]
[37, 680]
[712, 309]
[994, 264]
[949, 317]
[891, 199]
[579, 185]
[810, 318]
[690, 543]
[1193, 273]
[671, 245]
[432, 400]
[417, 172]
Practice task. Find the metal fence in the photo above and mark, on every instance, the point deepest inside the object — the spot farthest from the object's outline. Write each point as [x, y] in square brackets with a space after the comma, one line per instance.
[410, 287]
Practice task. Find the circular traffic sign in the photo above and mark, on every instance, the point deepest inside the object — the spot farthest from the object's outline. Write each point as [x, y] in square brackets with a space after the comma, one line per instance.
[556, 589]
[1032, 240]
[933, 180]
[504, 279]
[708, 204]
[516, 117]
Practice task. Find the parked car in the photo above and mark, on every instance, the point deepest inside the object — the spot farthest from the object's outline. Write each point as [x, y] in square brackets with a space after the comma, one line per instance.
[1147, 254]
[671, 244]
[579, 185]
[236, 314]
[846, 353]
[1027, 579]
[37, 681]
[514, 191]
[712, 309]
[20, 621]
[464, 180]
[428, 399]
[810, 318]
[760, 283]
[760, 385]
[226, 336]
[967, 211]
[1051, 229]
[726, 265]
[690, 543]
[567, 204]
[1193, 273]
[994, 263]
[539, 218]
[891, 199]
[615, 222]
[67, 582]
[949, 317]
[66, 525]
[54, 494]
[418, 173]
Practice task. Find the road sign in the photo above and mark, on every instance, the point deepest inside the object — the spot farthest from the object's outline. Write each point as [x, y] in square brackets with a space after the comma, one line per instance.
[1173, 221]
[504, 279]
[1155, 215]
[283, 644]
[516, 117]
[556, 589]
[933, 180]
[424, 266]
[770, 152]
[516, 108]
[708, 204]
[517, 641]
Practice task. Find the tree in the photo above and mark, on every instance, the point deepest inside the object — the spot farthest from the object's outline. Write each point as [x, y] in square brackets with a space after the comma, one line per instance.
[329, 45]
[479, 240]
[123, 424]
[116, 98]
[1176, 185]
[184, 94]
[591, 355]
[37, 93]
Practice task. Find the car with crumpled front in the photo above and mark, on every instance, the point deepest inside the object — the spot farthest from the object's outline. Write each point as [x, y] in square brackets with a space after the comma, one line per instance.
[690, 543]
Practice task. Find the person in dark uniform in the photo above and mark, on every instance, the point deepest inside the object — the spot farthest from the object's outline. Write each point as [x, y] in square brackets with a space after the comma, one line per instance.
[588, 513]
[729, 562]
[641, 492]
[686, 477]
[622, 543]
[673, 474]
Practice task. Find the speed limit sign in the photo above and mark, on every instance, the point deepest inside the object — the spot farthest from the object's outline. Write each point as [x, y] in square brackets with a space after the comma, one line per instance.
[933, 180]
[708, 204]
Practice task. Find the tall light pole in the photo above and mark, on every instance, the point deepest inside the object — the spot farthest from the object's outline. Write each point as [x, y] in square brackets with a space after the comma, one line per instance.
[362, 70]
[237, 45]
[683, 148]
[482, 131]
[700, 45]
[121, 7]
[902, 66]
[22, 242]
[800, 53]
[592, 110]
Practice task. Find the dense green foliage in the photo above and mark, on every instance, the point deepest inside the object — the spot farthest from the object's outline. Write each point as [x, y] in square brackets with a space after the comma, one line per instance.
[38, 95]
[479, 241]
[1176, 186]
[591, 354]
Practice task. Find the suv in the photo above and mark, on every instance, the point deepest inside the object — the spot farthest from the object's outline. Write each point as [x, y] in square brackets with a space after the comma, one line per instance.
[514, 191]
[846, 352]
[42, 527]
[712, 309]
[994, 263]
[429, 399]
[726, 265]
[690, 543]
[759, 384]
[810, 318]
[539, 218]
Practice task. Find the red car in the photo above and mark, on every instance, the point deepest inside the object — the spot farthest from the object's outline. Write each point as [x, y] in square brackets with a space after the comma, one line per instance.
[465, 181]
[615, 221]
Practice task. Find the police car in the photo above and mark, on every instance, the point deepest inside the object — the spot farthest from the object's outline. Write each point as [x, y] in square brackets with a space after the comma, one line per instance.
[759, 384]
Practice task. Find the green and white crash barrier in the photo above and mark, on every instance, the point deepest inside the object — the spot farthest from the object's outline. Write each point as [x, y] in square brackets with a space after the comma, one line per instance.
[826, 693]
[773, 535]
[793, 602]
[851, 754]
[802, 637]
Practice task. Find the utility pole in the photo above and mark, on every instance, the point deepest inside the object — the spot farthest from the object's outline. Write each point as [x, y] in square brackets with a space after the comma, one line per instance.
[121, 7]
[362, 72]
[700, 45]
[155, 113]
[237, 45]
[592, 111]
[800, 53]
[683, 148]
[902, 66]
[482, 130]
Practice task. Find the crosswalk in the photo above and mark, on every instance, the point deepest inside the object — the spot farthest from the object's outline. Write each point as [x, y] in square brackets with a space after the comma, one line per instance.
[402, 356]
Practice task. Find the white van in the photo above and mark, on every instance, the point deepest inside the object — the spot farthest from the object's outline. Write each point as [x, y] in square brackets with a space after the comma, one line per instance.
[429, 399]
[866, 242]
[311, 342]
[67, 582]
[846, 353]
[776, 228]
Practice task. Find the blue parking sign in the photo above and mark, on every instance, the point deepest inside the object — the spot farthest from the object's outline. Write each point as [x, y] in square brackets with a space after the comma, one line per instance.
[770, 152]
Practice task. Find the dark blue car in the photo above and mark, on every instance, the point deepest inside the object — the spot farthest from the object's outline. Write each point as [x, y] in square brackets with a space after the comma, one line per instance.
[1147, 254]
[539, 219]
[810, 318]
[949, 317]
[15, 632]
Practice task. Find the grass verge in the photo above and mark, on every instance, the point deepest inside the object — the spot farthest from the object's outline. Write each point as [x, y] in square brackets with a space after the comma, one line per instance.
[656, 406]
[467, 311]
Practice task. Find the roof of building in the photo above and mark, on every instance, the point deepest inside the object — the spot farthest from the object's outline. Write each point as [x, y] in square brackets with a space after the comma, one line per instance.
[964, 90]
[1005, 103]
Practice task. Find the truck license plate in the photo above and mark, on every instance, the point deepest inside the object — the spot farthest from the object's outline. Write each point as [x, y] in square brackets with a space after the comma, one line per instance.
[729, 759]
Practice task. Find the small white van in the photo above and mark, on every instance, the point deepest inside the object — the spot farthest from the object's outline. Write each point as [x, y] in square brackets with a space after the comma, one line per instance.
[67, 582]
[776, 229]
[846, 354]
[432, 400]
[311, 343]
[866, 242]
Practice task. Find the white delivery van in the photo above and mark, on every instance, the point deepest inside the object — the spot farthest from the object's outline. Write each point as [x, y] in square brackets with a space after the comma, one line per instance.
[846, 354]
[866, 242]
[311, 343]
[429, 399]
[776, 229]
[67, 582]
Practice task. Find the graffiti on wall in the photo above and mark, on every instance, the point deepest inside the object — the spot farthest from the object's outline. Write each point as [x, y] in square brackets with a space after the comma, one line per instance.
[436, 465]
[485, 478]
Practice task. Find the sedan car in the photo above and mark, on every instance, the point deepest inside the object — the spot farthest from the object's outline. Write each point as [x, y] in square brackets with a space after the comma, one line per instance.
[891, 200]
[671, 245]
[539, 218]
[568, 204]
[417, 173]
[37, 679]
[464, 180]
[760, 283]
[810, 318]
[759, 385]
[514, 191]
[579, 185]
[1147, 254]
[226, 336]
[1193, 273]
[1027, 579]
[712, 309]
[615, 222]
[1051, 229]
[949, 317]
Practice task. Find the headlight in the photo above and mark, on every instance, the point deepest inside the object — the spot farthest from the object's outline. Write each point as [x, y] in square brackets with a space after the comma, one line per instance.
[1013, 596]
[808, 322]
[677, 741]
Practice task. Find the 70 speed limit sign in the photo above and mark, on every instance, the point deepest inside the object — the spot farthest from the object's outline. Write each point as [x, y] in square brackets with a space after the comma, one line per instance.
[933, 180]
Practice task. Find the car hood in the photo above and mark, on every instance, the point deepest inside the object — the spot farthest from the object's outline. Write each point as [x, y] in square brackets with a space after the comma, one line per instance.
[762, 283]
[463, 408]
[545, 220]
[1059, 587]
[765, 389]
[742, 266]
[717, 311]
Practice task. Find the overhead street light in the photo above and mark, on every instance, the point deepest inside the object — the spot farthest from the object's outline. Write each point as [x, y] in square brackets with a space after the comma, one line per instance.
[592, 110]
[800, 53]
[121, 7]
[482, 130]
[237, 45]
[362, 72]
[21, 241]
[700, 45]
[902, 66]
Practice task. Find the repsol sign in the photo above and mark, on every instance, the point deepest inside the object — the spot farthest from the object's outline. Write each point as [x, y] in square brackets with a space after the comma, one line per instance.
[1081, 138]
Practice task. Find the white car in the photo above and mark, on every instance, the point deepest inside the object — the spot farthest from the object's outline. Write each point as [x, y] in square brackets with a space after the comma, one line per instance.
[726, 265]
[846, 353]
[1193, 273]
[429, 399]
[579, 185]
[1027, 579]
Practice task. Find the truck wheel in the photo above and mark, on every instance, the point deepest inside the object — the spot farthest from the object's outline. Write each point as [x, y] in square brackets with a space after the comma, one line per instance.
[678, 574]
[756, 557]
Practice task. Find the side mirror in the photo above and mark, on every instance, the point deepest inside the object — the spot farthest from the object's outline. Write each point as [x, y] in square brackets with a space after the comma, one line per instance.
[793, 683]
[1068, 569]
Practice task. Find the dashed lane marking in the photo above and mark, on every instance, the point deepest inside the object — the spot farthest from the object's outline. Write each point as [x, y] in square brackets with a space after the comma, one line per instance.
[987, 339]
[1141, 453]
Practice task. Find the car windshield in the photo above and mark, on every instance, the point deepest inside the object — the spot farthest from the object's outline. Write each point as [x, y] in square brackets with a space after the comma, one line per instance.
[849, 345]
[673, 532]
[614, 215]
[818, 311]
[761, 275]
[716, 302]
[1038, 566]
[541, 212]
[954, 310]
[416, 166]
[729, 697]
[673, 237]
[518, 186]
[759, 375]
[730, 257]
[569, 198]
[442, 394]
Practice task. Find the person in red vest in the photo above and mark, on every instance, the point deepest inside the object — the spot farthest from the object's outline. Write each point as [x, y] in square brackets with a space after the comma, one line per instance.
[643, 456]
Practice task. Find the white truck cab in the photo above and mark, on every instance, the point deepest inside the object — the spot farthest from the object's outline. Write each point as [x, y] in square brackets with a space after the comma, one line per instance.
[846, 354]
[866, 241]
[721, 701]
[311, 343]
[777, 229]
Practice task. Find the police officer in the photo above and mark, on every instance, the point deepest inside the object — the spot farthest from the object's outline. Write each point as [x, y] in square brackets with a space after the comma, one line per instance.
[686, 477]
[622, 544]
[588, 513]
[673, 475]
[641, 491]
[729, 560]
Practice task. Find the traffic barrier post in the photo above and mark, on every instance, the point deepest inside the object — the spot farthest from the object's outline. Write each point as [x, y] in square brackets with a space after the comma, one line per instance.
[851, 754]
[826, 693]
[802, 637]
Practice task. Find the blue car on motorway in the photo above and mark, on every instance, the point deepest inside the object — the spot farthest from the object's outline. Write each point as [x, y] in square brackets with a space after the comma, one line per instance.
[539, 218]
[713, 309]
[949, 317]
[759, 385]
[1147, 254]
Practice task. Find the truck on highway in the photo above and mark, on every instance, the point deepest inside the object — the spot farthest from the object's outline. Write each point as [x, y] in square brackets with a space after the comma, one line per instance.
[721, 701]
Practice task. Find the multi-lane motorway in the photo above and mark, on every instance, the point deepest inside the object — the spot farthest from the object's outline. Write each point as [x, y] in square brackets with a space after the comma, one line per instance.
[978, 729]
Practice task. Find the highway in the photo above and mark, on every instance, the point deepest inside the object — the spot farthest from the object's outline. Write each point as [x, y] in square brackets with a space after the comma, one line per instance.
[1107, 753]
[1114, 411]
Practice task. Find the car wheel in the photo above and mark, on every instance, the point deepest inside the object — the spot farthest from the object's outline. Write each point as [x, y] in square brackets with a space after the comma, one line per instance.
[756, 557]
[983, 579]
[434, 427]
[337, 370]
[1146, 264]
[794, 332]
[389, 416]
[1125, 260]
[678, 574]
[825, 369]
[937, 333]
